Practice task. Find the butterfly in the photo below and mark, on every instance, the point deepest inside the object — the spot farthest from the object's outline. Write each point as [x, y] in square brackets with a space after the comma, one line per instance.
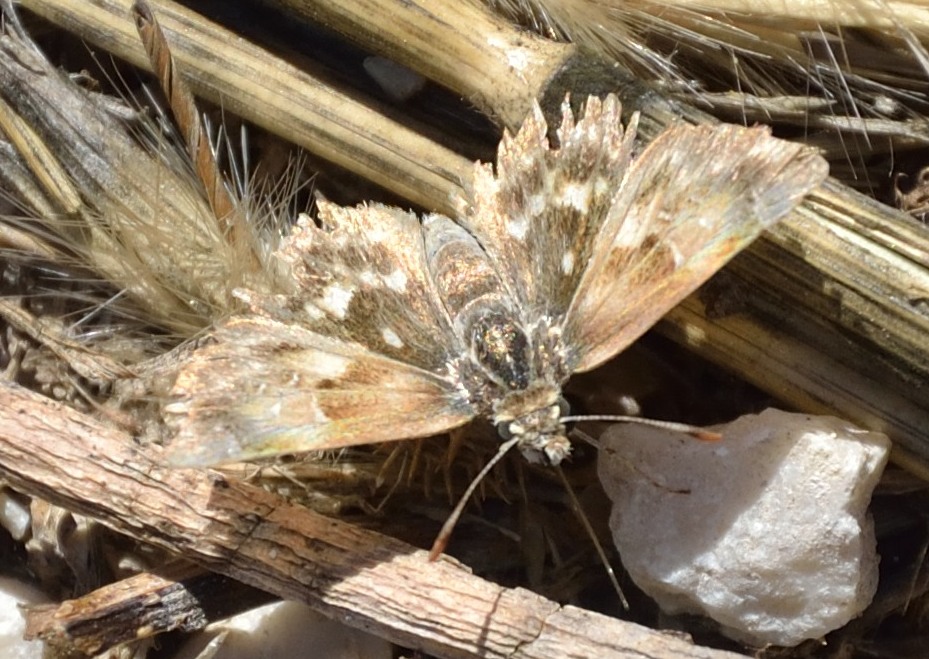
[389, 327]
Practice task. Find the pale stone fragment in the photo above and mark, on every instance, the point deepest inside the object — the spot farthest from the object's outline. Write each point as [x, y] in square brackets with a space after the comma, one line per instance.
[767, 531]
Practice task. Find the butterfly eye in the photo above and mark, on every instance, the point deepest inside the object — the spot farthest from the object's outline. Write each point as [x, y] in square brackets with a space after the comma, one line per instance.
[564, 408]
[503, 429]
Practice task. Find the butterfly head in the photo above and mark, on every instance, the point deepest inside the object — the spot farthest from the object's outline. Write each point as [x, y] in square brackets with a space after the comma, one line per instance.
[534, 416]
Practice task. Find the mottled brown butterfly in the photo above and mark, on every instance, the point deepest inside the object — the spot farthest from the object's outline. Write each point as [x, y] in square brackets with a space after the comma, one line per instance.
[395, 328]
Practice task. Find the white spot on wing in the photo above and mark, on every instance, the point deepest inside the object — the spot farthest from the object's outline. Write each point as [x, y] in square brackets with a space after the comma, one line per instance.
[536, 204]
[369, 278]
[335, 299]
[328, 366]
[567, 263]
[312, 311]
[518, 227]
[376, 233]
[630, 234]
[309, 412]
[577, 195]
[396, 280]
[318, 415]
[391, 338]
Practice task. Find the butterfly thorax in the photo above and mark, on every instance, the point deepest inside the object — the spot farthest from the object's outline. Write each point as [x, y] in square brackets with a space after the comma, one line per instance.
[516, 382]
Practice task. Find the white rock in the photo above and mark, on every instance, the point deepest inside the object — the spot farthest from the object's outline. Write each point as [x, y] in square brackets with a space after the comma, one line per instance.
[766, 531]
[14, 515]
[282, 630]
[12, 624]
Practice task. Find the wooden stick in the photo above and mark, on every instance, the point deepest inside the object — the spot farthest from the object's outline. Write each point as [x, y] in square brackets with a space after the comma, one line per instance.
[180, 597]
[362, 578]
[485, 59]
[458, 44]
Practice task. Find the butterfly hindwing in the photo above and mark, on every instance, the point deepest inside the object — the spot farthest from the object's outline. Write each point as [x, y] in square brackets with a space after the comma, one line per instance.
[355, 347]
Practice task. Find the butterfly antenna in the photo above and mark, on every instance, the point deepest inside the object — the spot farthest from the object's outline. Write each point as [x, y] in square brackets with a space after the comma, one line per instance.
[441, 541]
[687, 429]
[593, 536]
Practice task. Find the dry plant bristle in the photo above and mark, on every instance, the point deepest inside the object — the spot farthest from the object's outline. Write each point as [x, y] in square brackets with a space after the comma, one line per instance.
[185, 112]
[862, 66]
[124, 203]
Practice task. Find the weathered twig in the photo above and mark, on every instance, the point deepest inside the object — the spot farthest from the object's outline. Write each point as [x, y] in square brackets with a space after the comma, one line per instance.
[177, 598]
[461, 45]
[365, 579]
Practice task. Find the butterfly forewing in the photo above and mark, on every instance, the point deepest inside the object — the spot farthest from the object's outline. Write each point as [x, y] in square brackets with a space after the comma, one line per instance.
[363, 278]
[266, 388]
[538, 217]
[694, 198]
